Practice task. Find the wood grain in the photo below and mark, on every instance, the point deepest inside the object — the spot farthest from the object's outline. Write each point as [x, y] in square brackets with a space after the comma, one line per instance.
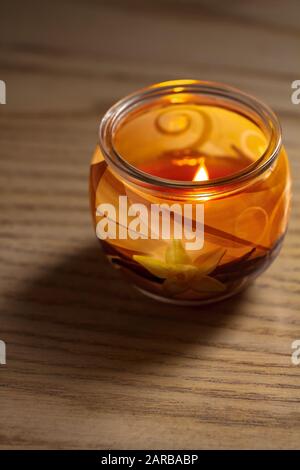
[90, 362]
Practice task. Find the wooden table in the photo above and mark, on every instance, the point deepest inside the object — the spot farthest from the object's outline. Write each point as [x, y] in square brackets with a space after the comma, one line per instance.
[90, 362]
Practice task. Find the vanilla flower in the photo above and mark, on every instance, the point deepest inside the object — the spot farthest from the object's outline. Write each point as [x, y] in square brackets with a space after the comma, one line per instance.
[181, 274]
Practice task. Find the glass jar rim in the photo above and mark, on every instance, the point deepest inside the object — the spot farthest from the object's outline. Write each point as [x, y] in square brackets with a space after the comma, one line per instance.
[205, 88]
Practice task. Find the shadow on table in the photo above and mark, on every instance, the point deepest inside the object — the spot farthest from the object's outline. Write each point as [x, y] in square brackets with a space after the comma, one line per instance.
[82, 313]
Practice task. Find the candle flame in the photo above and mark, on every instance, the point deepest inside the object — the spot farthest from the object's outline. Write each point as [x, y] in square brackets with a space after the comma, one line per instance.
[201, 173]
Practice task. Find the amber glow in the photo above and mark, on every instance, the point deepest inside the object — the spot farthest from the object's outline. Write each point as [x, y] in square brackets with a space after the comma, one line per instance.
[202, 173]
[207, 143]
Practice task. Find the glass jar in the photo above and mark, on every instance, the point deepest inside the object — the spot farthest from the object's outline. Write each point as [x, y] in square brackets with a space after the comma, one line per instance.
[190, 190]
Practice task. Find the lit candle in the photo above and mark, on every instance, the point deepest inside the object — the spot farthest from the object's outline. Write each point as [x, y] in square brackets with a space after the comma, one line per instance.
[197, 156]
[201, 173]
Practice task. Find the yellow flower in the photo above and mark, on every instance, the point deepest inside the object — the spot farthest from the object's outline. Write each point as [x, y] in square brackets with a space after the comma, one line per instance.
[180, 273]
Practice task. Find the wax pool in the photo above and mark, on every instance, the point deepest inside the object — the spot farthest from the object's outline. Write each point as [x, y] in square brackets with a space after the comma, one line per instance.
[175, 142]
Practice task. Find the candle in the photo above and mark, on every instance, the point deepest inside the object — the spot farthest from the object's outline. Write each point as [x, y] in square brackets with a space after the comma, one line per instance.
[190, 190]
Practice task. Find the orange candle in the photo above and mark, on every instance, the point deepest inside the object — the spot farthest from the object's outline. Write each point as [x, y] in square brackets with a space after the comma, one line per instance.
[190, 190]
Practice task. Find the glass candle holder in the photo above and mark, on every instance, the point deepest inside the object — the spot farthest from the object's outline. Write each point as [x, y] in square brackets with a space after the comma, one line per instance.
[190, 190]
